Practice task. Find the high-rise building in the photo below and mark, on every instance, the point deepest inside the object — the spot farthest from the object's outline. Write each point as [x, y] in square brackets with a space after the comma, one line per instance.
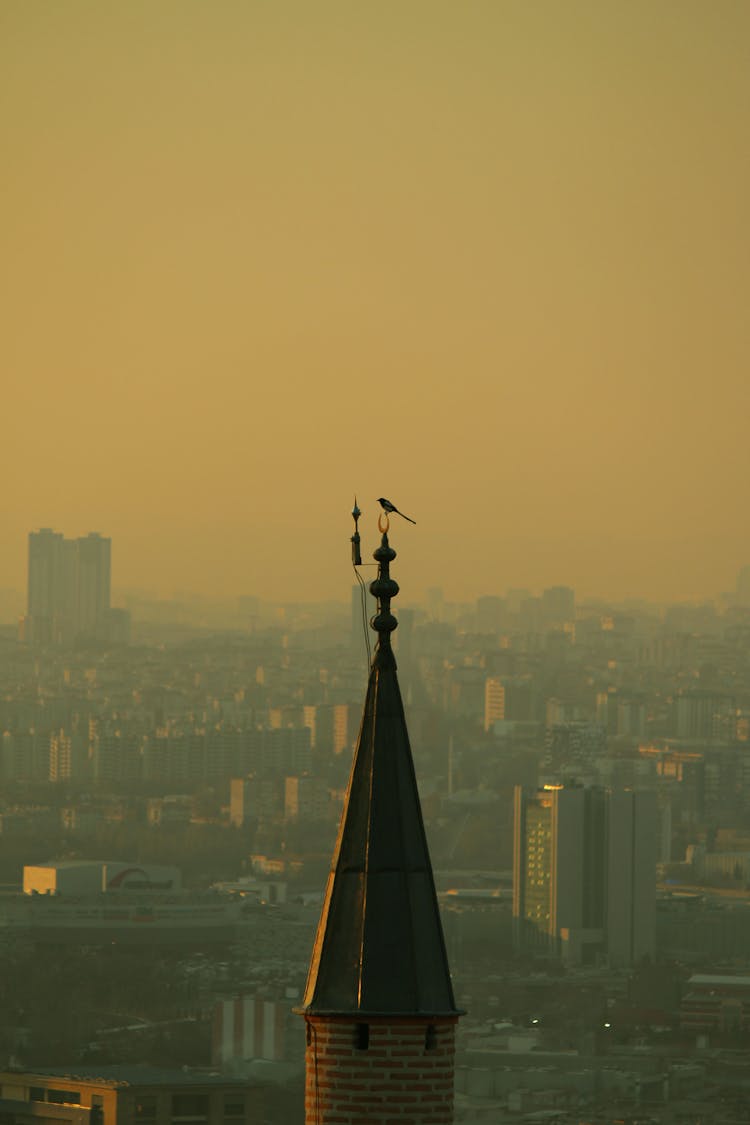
[67, 755]
[68, 587]
[332, 728]
[306, 798]
[584, 864]
[340, 727]
[704, 715]
[255, 798]
[379, 1010]
[632, 849]
[45, 596]
[558, 604]
[93, 582]
[491, 611]
[494, 701]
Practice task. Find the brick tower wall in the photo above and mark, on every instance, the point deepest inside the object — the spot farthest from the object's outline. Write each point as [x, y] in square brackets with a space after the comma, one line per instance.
[403, 1076]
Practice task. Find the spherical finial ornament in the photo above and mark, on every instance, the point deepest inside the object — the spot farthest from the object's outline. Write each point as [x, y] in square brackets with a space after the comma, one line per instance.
[384, 553]
[384, 588]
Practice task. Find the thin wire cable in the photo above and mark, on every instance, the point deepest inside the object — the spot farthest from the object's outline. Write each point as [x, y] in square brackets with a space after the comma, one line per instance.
[363, 600]
[365, 622]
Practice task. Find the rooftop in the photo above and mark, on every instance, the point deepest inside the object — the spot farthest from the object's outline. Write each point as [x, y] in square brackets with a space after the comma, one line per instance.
[135, 1075]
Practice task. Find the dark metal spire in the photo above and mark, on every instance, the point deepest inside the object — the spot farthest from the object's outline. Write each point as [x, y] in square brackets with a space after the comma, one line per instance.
[384, 588]
[379, 948]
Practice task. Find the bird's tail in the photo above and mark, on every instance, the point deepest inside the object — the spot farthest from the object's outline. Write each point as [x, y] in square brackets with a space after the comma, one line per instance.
[408, 518]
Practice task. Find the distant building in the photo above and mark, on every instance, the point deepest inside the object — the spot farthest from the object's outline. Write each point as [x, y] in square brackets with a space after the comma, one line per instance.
[68, 752]
[252, 1027]
[50, 592]
[515, 598]
[170, 811]
[93, 581]
[704, 715]
[112, 1094]
[494, 701]
[631, 717]
[68, 588]
[584, 873]
[255, 798]
[464, 691]
[340, 728]
[716, 1003]
[491, 613]
[114, 754]
[91, 877]
[508, 699]
[558, 605]
[306, 798]
[240, 798]
[331, 728]
[631, 848]
[621, 715]
[570, 746]
[287, 750]
[79, 819]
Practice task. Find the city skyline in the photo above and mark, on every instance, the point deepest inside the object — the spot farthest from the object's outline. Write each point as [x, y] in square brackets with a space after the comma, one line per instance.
[563, 861]
[223, 229]
[254, 253]
[556, 602]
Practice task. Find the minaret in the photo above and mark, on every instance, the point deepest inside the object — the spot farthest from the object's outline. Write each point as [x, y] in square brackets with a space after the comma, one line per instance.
[379, 1010]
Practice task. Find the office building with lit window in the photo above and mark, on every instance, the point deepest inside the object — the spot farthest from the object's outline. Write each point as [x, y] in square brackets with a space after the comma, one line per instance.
[584, 873]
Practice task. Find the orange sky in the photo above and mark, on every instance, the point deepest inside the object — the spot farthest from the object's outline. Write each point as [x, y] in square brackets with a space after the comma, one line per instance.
[489, 259]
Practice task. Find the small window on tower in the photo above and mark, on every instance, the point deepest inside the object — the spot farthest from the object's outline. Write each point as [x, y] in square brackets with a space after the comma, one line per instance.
[362, 1036]
[430, 1037]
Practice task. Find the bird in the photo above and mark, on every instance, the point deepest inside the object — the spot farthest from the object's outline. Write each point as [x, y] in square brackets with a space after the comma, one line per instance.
[389, 508]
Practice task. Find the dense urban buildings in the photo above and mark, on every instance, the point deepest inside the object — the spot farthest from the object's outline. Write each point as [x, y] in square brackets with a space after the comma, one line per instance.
[218, 743]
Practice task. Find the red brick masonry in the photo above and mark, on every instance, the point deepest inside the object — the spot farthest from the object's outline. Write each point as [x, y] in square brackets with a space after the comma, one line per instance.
[404, 1076]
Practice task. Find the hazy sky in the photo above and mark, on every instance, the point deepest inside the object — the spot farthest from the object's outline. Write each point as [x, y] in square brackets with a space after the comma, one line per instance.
[488, 258]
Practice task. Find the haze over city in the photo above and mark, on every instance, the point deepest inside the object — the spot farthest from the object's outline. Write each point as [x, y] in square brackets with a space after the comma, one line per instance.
[489, 260]
[457, 830]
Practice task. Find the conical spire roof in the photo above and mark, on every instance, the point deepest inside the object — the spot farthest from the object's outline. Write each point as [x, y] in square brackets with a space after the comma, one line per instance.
[379, 948]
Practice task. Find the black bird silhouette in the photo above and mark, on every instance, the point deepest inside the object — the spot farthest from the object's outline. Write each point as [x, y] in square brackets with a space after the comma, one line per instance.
[388, 507]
